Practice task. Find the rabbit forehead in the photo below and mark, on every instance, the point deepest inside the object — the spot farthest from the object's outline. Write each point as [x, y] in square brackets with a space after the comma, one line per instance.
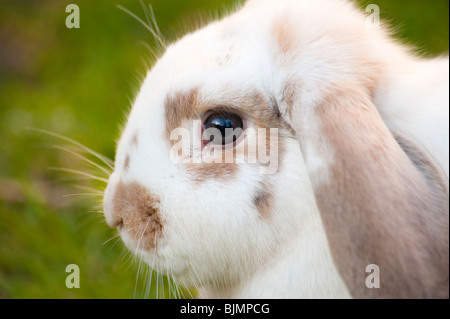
[215, 68]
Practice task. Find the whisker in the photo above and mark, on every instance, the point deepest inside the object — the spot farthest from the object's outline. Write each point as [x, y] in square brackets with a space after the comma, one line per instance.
[149, 28]
[160, 281]
[141, 241]
[117, 240]
[198, 284]
[89, 189]
[163, 287]
[103, 158]
[74, 171]
[144, 279]
[139, 264]
[149, 48]
[152, 21]
[147, 270]
[81, 194]
[169, 284]
[188, 290]
[106, 171]
[154, 263]
[96, 211]
[181, 292]
[72, 179]
[195, 285]
[148, 282]
[127, 257]
[177, 292]
[157, 282]
[137, 279]
[99, 206]
[113, 237]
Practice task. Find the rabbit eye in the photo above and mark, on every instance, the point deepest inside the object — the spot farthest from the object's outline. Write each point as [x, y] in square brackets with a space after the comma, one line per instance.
[228, 125]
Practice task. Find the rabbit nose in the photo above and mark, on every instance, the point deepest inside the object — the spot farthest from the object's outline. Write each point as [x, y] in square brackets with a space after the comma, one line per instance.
[132, 207]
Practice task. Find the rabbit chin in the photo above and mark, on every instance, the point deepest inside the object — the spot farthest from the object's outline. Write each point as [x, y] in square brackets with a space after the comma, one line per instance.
[162, 258]
[224, 266]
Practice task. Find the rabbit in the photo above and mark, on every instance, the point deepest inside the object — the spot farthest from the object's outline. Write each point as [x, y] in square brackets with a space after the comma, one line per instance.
[356, 130]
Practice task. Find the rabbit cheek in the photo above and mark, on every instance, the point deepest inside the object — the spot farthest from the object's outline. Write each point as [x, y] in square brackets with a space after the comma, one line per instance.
[139, 211]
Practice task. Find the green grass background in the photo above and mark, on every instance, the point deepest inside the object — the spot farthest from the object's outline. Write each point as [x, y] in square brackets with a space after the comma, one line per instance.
[79, 83]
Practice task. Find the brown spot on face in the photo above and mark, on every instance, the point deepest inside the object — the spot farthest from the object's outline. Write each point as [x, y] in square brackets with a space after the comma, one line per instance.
[138, 212]
[179, 107]
[134, 140]
[126, 164]
[201, 172]
[263, 200]
[378, 208]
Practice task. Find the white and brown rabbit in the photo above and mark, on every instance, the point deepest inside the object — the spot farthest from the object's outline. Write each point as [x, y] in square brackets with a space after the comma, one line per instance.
[280, 151]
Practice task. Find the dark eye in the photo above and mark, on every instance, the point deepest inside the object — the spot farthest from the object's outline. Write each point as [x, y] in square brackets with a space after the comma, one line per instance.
[222, 128]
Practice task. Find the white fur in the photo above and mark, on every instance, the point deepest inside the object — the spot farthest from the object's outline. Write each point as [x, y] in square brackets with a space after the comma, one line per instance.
[414, 101]
[213, 236]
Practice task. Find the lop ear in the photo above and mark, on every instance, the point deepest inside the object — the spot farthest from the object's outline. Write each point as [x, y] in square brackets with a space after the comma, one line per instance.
[378, 205]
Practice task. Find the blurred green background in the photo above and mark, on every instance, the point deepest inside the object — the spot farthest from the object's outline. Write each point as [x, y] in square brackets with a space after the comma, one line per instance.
[79, 83]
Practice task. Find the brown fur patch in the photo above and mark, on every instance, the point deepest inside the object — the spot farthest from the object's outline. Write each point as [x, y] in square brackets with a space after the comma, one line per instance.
[138, 211]
[263, 200]
[134, 140]
[201, 172]
[179, 107]
[378, 207]
[126, 163]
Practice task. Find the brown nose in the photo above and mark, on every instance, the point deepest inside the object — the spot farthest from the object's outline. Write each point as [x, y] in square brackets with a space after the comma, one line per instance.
[135, 210]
